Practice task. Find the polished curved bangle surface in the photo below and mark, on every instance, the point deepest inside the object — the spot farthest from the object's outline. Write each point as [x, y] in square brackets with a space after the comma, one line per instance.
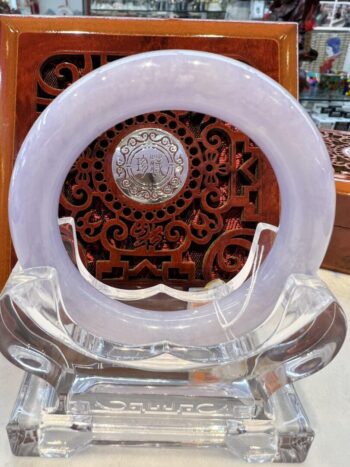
[177, 80]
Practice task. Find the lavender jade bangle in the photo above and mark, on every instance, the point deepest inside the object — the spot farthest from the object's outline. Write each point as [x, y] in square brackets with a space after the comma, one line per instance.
[177, 80]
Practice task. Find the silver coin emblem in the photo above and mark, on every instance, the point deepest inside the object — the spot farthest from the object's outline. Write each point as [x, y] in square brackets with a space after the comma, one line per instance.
[150, 165]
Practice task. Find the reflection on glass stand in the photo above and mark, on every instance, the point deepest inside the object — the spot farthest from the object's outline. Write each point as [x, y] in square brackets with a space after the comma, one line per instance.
[80, 389]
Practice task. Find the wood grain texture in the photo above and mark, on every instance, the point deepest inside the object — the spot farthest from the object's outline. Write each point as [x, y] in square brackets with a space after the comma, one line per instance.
[27, 43]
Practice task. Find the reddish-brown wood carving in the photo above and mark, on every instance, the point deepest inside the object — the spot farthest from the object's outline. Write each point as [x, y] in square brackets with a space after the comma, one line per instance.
[203, 233]
[338, 145]
[206, 230]
[338, 254]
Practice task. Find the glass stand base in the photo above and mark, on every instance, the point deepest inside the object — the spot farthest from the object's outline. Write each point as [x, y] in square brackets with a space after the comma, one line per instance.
[238, 416]
[82, 389]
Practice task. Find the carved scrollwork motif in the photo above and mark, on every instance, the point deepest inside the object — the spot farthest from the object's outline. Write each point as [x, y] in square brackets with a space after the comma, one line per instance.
[338, 145]
[227, 253]
[191, 233]
[60, 71]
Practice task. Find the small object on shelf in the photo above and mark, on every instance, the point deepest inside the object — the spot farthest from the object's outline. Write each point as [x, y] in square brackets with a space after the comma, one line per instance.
[344, 126]
[257, 9]
[214, 6]
[333, 52]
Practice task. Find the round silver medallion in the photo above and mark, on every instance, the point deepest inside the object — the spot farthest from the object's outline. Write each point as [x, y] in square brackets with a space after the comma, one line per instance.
[150, 165]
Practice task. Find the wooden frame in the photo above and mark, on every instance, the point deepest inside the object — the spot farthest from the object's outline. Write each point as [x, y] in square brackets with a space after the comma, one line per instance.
[26, 41]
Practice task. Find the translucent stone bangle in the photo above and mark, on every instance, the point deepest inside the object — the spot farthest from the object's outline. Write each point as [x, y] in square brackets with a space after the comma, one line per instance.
[177, 80]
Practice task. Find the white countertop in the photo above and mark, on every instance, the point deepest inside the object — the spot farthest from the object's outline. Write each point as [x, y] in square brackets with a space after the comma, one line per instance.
[325, 396]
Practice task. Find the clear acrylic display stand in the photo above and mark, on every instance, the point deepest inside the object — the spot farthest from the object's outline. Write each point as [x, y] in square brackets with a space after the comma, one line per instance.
[81, 390]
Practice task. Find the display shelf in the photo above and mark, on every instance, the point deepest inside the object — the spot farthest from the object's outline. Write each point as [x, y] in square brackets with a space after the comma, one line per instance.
[169, 8]
[327, 75]
[219, 14]
[324, 97]
[303, 98]
[333, 15]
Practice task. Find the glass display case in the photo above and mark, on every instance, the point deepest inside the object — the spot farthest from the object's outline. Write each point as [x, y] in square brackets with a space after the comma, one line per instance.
[211, 9]
[159, 8]
[325, 81]
[334, 14]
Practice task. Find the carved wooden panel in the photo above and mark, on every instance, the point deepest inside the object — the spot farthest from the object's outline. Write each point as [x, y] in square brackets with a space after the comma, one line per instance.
[206, 229]
[338, 254]
[202, 233]
[338, 145]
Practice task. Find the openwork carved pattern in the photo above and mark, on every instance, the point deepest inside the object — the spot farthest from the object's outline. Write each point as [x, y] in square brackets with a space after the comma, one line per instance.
[202, 233]
[338, 145]
[60, 71]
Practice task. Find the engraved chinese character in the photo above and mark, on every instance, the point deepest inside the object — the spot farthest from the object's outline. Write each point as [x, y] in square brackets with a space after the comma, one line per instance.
[142, 165]
[156, 165]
